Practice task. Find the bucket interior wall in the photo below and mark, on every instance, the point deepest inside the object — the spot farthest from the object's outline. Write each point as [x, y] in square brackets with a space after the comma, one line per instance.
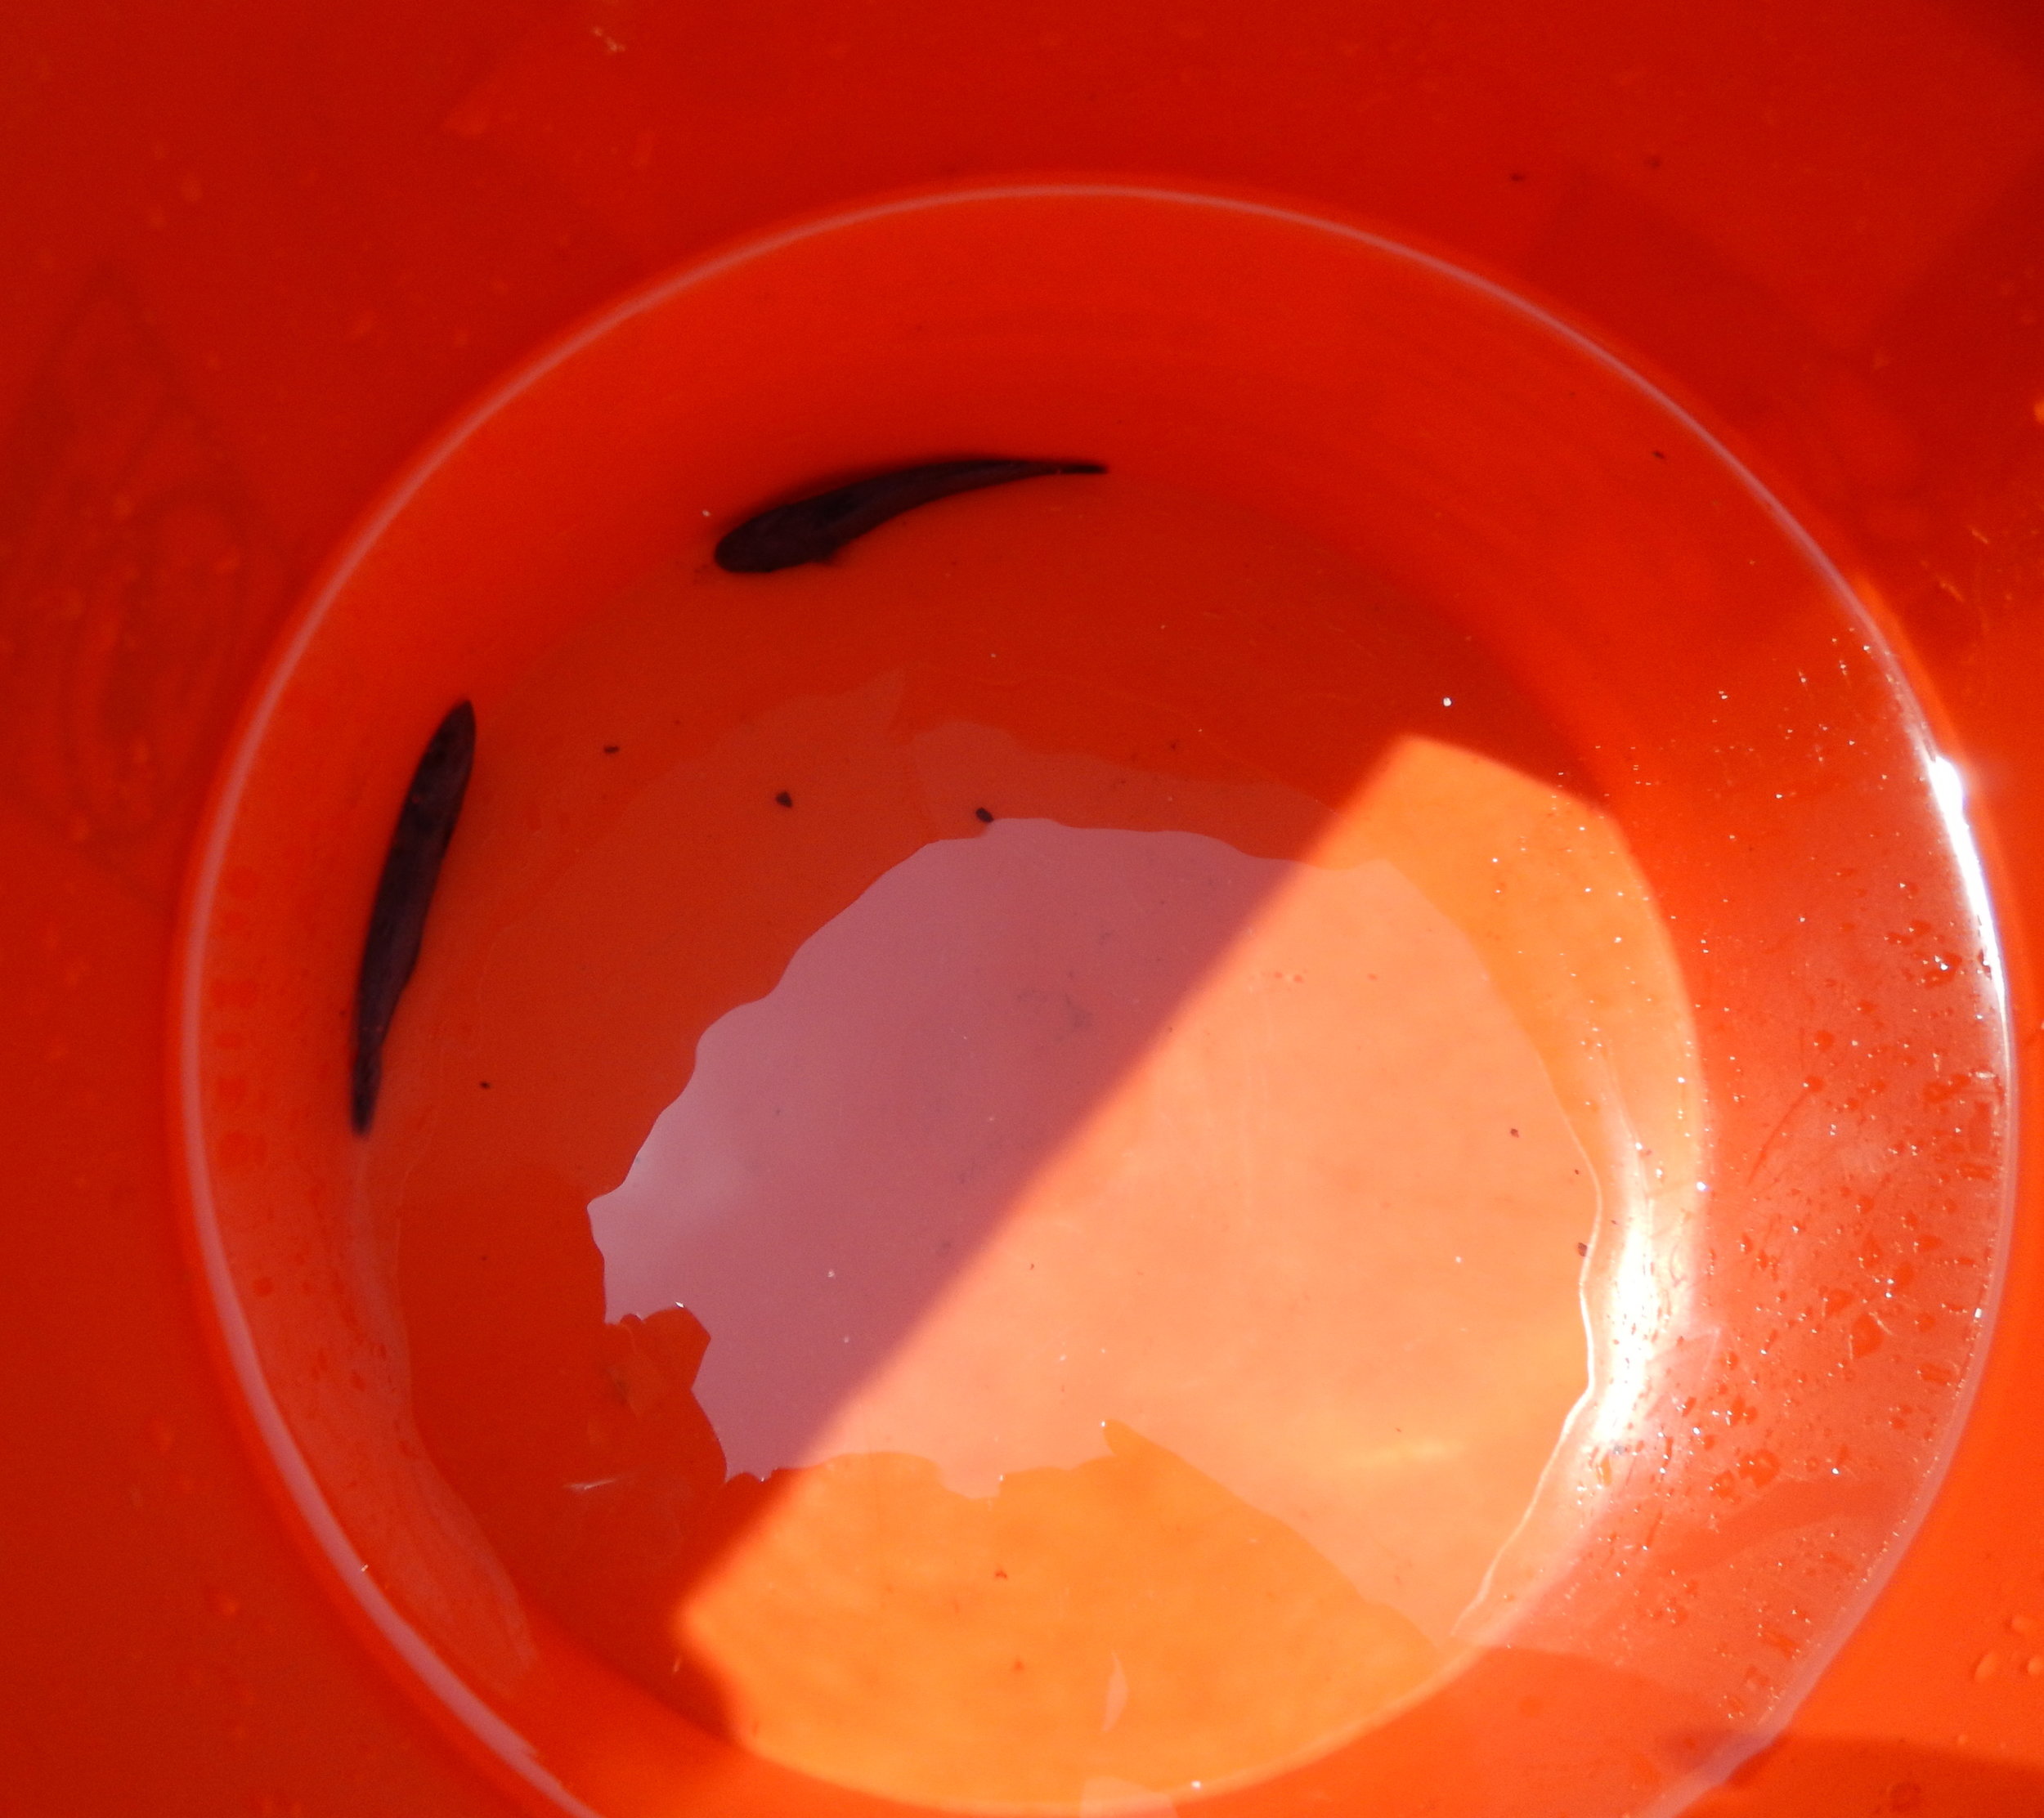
[260, 262]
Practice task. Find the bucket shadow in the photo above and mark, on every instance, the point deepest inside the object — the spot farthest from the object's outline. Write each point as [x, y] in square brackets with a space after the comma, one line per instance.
[1822, 1776]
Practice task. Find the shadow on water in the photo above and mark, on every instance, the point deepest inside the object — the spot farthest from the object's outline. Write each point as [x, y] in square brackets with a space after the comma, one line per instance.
[1845, 1778]
[697, 794]
[1510, 1736]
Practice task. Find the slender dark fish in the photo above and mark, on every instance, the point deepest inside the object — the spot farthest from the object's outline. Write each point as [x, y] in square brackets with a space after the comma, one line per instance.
[786, 537]
[398, 922]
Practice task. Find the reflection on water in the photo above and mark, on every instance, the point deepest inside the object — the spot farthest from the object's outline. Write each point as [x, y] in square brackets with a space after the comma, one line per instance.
[846, 1141]
[1150, 1264]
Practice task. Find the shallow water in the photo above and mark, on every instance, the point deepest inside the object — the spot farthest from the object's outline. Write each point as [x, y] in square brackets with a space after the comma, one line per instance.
[989, 1060]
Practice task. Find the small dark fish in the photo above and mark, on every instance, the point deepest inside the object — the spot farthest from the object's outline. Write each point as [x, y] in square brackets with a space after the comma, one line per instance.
[786, 537]
[398, 922]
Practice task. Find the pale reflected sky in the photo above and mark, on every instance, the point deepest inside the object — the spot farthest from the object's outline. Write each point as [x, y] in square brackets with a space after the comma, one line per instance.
[848, 1141]
[1054, 1126]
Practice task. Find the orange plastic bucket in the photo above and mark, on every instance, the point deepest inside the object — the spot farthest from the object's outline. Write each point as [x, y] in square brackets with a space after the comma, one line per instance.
[1329, 1119]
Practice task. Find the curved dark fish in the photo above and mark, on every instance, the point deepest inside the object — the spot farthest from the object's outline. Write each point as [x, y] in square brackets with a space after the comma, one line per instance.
[397, 923]
[807, 530]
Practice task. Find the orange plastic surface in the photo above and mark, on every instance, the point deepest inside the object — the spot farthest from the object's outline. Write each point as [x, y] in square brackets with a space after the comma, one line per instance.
[264, 261]
[1213, 1130]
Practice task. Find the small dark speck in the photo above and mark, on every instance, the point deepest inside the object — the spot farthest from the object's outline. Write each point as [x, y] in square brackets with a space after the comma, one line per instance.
[785, 799]
[1517, 177]
[484, 1084]
[982, 814]
[1582, 1249]
[1657, 455]
[611, 750]
[1653, 163]
[1515, 1133]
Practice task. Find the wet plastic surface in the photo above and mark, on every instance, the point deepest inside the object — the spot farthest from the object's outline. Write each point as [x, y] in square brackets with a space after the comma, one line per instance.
[1788, 1257]
[1880, 383]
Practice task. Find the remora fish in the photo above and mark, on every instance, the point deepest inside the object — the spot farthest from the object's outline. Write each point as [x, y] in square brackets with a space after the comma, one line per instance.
[807, 530]
[398, 922]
